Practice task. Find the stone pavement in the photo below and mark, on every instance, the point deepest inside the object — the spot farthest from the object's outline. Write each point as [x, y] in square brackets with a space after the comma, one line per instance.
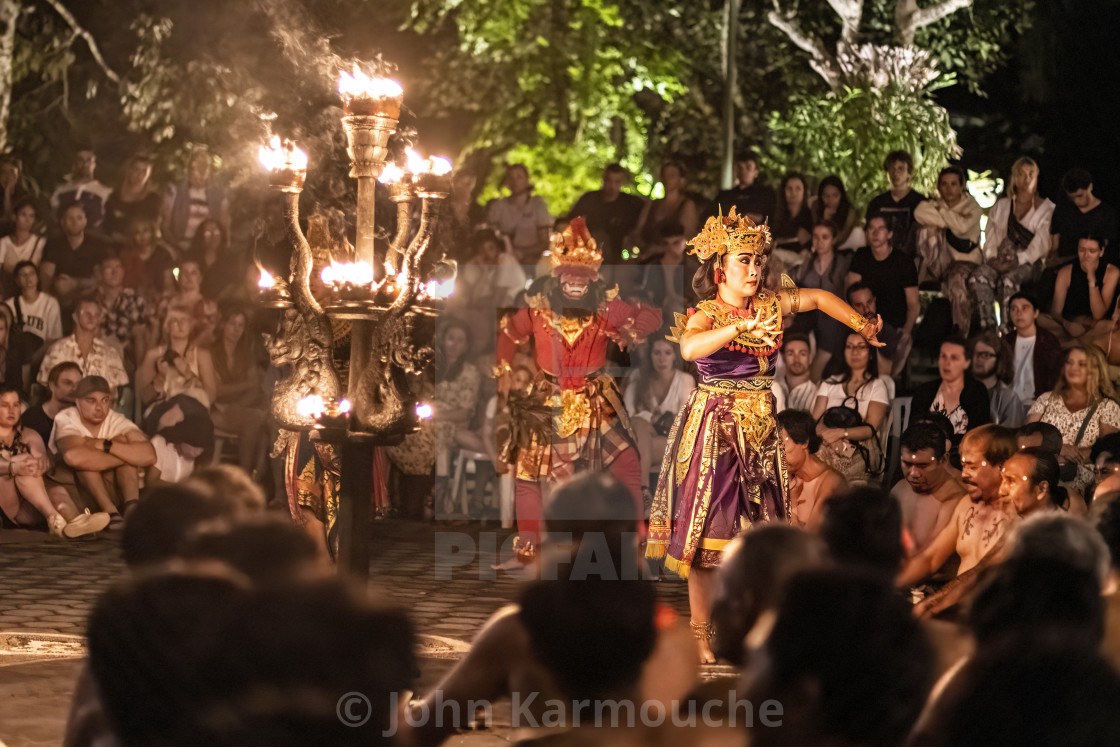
[440, 573]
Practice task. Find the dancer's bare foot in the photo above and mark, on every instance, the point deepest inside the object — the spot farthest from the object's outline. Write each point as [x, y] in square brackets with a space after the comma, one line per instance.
[706, 655]
[703, 633]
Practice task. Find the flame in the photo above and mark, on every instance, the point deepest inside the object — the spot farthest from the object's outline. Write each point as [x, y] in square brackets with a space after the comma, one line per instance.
[344, 406]
[439, 166]
[311, 406]
[391, 174]
[440, 288]
[356, 273]
[282, 155]
[414, 162]
[360, 85]
[424, 410]
[266, 281]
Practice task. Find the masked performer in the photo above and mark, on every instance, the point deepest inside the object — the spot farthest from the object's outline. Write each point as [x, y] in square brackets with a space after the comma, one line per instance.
[724, 462]
[571, 419]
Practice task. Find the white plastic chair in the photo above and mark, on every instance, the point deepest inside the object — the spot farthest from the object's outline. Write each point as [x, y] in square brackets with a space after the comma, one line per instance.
[901, 408]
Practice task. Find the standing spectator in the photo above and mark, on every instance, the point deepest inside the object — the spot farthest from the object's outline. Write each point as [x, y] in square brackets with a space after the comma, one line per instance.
[1082, 215]
[834, 206]
[1038, 354]
[891, 276]
[126, 323]
[23, 244]
[194, 200]
[653, 399]
[148, 265]
[62, 382]
[949, 241]
[896, 346]
[611, 214]
[101, 452]
[522, 216]
[812, 482]
[136, 199]
[86, 348]
[798, 390]
[82, 188]
[489, 279]
[675, 207]
[896, 205]
[239, 407]
[1084, 293]
[15, 189]
[210, 249]
[826, 270]
[1016, 242]
[955, 394]
[179, 365]
[751, 197]
[991, 365]
[38, 320]
[1082, 406]
[929, 492]
[69, 260]
[792, 224]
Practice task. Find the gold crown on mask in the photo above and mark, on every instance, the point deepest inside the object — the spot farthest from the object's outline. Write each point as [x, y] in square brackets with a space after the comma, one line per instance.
[575, 248]
[730, 234]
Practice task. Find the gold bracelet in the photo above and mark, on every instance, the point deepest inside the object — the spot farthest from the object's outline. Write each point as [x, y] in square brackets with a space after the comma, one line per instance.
[501, 368]
[858, 323]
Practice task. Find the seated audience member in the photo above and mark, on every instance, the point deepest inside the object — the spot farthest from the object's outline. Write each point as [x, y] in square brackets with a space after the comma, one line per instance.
[1082, 406]
[14, 188]
[797, 387]
[1105, 456]
[896, 205]
[177, 366]
[835, 207]
[11, 354]
[675, 207]
[38, 320]
[268, 550]
[1030, 483]
[1038, 354]
[610, 213]
[896, 344]
[193, 200]
[183, 433]
[890, 274]
[826, 270]
[456, 394]
[148, 265]
[660, 277]
[188, 295]
[1106, 518]
[101, 451]
[752, 576]
[1083, 214]
[521, 216]
[488, 280]
[830, 625]
[929, 491]
[82, 188]
[62, 382]
[25, 501]
[1084, 294]
[210, 248]
[851, 406]
[811, 481]
[749, 195]
[136, 199]
[126, 323]
[595, 632]
[949, 242]
[955, 394]
[86, 348]
[791, 226]
[229, 483]
[239, 407]
[70, 259]
[980, 523]
[1016, 241]
[990, 364]
[653, 399]
[23, 244]
[862, 529]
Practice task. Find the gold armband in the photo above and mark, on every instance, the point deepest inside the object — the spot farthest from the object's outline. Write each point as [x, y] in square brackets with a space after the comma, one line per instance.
[859, 323]
[501, 368]
[791, 291]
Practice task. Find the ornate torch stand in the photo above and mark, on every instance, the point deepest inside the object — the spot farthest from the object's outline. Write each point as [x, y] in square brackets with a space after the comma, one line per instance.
[381, 297]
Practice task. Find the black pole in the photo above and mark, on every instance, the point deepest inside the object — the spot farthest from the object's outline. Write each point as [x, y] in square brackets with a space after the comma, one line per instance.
[354, 498]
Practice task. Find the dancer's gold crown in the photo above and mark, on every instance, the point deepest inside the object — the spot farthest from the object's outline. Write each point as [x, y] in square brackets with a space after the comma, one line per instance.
[575, 247]
[730, 234]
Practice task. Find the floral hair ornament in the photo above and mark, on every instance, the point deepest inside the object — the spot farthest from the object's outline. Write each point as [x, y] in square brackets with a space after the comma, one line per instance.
[574, 252]
[730, 234]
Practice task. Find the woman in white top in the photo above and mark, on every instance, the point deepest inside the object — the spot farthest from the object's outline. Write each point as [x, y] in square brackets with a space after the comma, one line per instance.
[1016, 241]
[522, 216]
[179, 366]
[23, 244]
[857, 386]
[36, 313]
[653, 398]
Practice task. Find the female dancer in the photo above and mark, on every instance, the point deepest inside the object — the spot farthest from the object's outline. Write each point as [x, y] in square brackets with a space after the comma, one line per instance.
[723, 461]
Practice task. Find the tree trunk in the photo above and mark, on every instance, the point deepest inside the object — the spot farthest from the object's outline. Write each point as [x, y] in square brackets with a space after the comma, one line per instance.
[9, 16]
[731, 85]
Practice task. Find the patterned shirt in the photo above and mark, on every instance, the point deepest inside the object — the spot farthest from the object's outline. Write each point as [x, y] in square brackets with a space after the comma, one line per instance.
[123, 315]
[103, 360]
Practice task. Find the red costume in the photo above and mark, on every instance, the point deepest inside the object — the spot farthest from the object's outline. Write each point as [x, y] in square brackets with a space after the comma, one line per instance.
[571, 419]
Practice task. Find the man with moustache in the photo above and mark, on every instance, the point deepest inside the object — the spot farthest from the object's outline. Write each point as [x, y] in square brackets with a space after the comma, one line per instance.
[979, 523]
[797, 387]
[929, 492]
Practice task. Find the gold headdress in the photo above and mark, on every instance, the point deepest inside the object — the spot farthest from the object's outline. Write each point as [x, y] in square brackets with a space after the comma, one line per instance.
[730, 234]
[575, 251]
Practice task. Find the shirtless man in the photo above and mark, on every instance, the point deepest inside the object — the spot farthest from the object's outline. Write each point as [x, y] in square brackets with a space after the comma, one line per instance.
[930, 491]
[977, 524]
[811, 480]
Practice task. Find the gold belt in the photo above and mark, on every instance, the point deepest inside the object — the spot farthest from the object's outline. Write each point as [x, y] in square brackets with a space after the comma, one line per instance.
[738, 386]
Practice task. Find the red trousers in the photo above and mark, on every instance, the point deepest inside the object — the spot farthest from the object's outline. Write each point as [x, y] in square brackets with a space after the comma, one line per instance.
[626, 468]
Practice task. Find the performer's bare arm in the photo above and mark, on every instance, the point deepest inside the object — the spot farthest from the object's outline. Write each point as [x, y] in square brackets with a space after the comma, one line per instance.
[699, 339]
[812, 298]
[934, 556]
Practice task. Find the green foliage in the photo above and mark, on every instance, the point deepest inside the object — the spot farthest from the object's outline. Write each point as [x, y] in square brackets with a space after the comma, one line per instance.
[849, 133]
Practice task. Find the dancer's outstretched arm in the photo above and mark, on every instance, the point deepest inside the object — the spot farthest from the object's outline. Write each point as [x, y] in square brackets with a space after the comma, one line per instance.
[809, 299]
